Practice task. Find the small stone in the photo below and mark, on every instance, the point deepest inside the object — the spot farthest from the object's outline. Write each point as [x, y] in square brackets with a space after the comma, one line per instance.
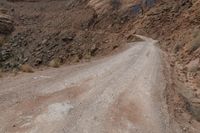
[55, 63]
[44, 41]
[25, 60]
[38, 61]
[14, 44]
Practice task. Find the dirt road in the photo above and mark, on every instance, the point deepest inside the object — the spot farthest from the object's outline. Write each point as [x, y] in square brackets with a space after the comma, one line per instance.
[122, 93]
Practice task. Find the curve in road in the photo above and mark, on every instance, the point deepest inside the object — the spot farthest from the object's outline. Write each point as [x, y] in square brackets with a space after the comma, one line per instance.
[117, 94]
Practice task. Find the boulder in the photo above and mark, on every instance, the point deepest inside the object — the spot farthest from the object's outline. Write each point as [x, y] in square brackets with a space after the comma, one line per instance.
[192, 102]
[193, 66]
[68, 36]
[55, 63]
[194, 108]
[6, 24]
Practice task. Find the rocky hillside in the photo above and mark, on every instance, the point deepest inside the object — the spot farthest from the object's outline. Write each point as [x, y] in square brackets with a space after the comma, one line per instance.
[175, 24]
[70, 36]
[80, 30]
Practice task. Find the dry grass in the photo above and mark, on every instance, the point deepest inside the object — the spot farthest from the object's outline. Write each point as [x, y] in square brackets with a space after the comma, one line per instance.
[55, 63]
[26, 68]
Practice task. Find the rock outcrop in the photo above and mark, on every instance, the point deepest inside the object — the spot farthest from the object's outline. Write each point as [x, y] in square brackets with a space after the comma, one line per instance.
[6, 23]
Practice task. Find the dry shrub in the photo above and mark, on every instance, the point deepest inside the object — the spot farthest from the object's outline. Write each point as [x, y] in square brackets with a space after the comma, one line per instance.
[26, 68]
[3, 40]
[55, 63]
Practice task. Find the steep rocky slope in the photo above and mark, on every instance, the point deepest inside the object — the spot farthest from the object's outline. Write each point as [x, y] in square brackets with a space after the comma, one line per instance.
[176, 25]
[80, 30]
[70, 37]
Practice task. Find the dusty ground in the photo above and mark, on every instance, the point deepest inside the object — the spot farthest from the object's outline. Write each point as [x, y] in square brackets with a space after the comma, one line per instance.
[117, 94]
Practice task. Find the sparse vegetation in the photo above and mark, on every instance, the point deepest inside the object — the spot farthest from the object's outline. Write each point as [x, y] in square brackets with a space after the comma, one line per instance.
[26, 68]
[55, 63]
[3, 40]
[78, 30]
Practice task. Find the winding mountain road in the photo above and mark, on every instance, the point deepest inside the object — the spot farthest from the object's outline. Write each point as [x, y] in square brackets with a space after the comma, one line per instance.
[122, 93]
